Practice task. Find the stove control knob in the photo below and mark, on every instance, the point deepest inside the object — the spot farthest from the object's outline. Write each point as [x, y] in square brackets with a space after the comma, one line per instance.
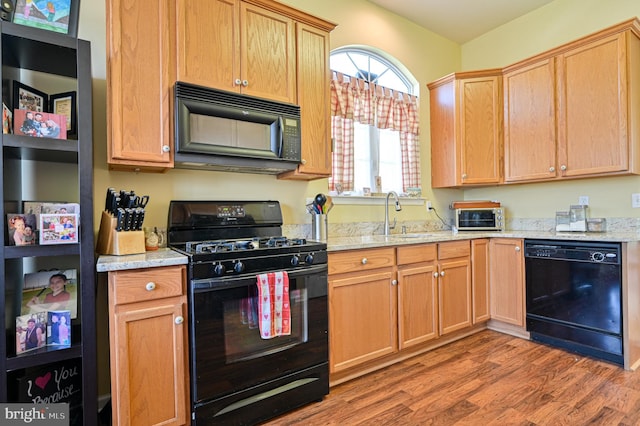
[309, 259]
[219, 269]
[238, 267]
[295, 260]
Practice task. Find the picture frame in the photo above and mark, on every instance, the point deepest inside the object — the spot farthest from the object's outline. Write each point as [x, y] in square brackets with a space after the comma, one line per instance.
[38, 292]
[59, 16]
[65, 104]
[59, 328]
[33, 337]
[22, 229]
[58, 228]
[26, 97]
[39, 124]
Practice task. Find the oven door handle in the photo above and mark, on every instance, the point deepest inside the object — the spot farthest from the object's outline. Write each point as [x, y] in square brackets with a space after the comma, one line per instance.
[221, 283]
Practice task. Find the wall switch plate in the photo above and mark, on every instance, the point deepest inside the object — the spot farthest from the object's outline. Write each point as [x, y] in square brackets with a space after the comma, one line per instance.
[583, 200]
[635, 200]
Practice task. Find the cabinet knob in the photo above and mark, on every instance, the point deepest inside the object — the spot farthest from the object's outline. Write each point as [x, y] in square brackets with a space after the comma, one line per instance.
[364, 260]
[517, 248]
[464, 176]
[394, 282]
[552, 169]
[179, 320]
[150, 286]
[436, 274]
[303, 161]
[166, 148]
[245, 83]
[238, 82]
[563, 167]
[442, 274]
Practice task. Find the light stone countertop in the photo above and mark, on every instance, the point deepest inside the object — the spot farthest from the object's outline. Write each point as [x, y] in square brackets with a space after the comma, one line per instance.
[372, 241]
[150, 259]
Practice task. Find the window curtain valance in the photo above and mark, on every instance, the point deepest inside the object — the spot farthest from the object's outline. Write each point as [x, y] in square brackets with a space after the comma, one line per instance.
[354, 99]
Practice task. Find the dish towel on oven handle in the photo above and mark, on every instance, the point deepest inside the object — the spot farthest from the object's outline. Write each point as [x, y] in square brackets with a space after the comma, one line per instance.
[273, 306]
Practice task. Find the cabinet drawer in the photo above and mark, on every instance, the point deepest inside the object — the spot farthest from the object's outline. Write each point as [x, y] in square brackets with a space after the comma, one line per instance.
[416, 254]
[146, 284]
[361, 260]
[454, 249]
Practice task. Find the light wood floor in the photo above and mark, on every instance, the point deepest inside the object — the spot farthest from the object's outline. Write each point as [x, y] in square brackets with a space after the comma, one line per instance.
[486, 379]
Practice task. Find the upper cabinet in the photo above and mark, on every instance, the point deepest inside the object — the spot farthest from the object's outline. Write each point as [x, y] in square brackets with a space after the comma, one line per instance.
[466, 129]
[237, 46]
[258, 48]
[140, 78]
[572, 112]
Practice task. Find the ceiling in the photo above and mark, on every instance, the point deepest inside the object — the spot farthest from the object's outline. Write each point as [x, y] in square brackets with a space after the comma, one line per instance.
[460, 20]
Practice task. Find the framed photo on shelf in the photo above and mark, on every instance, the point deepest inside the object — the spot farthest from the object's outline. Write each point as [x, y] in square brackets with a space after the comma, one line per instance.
[60, 16]
[31, 332]
[65, 104]
[58, 228]
[54, 290]
[25, 97]
[39, 124]
[22, 229]
[59, 328]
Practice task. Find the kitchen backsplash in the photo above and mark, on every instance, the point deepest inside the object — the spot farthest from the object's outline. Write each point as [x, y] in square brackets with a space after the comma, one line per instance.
[376, 228]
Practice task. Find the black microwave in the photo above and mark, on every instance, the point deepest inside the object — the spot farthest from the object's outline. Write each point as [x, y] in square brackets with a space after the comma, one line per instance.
[228, 131]
[479, 219]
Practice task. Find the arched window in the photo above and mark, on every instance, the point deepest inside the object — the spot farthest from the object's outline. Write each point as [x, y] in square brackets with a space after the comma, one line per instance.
[374, 123]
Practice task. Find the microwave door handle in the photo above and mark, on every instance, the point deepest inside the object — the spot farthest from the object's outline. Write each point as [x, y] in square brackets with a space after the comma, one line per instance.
[280, 136]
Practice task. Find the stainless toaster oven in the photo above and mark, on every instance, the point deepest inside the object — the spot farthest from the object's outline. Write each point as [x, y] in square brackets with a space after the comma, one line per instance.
[479, 219]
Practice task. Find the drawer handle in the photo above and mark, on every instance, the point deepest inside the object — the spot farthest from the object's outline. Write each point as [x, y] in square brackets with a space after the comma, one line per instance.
[364, 260]
[179, 320]
[150, 286]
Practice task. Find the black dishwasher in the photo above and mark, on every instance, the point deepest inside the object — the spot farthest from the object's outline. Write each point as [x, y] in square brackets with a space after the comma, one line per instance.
[574, 293]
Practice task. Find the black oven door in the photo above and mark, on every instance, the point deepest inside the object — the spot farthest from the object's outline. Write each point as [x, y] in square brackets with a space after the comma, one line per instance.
[227, 351]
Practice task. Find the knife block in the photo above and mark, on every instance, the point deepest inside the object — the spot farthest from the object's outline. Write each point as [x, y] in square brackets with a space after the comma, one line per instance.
[115, 242]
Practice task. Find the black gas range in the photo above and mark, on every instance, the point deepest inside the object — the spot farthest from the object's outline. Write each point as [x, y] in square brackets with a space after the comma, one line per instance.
[238, 376]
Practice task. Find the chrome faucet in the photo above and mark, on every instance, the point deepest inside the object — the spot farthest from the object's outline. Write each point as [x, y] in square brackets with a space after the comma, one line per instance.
[387, 228]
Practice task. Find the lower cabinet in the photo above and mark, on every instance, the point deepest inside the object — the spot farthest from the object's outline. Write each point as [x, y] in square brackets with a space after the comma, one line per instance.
[387, 303]
[149, 349]
[480, 278]
[507, 281]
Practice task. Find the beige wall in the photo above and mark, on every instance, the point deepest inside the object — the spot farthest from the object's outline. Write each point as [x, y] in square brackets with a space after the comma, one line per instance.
[557, 23]
[426, 55]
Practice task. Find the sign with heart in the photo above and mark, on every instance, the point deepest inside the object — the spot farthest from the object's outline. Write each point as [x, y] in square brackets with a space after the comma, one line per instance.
[51, 384]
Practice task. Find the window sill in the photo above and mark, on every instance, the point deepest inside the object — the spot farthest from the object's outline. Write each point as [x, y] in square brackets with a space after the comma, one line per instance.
[371, 200]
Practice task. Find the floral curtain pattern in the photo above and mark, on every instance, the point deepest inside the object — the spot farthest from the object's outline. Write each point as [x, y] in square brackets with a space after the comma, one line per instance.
[353, 99]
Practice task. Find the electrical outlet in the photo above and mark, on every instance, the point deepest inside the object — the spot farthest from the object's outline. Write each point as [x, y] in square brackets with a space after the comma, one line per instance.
[429, 206]
[635, 200]
[583, 200]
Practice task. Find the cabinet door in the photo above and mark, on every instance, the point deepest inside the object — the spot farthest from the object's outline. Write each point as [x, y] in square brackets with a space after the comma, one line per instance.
[454, 291]
[362, 319]
[314, 100]
[417, 301]
[480, 280]
[268, 54]
[593, 137]
[507, 280]
[480, 113]
[530, 122]
[208, 43]
[148, 362]
[139, 97]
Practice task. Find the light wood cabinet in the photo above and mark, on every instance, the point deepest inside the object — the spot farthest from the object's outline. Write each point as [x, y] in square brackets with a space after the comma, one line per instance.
[466, 129]
[362, 307]
[507, 281]
[314, 100]
[454, 286]
[480, 280]
[417, 294]
[585, 91]
[140, 78]
[236, 46]
[148, 343]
